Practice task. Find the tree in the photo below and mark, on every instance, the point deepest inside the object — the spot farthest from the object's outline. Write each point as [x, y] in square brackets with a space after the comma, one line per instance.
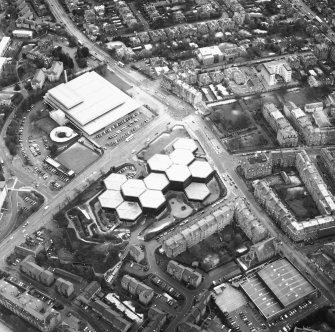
[53, 149]
[82, 63]
[83, 52]
[72, 40]
[17, 87]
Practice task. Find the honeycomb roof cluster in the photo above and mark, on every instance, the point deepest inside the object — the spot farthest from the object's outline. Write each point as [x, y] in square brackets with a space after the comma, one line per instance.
[130, 196]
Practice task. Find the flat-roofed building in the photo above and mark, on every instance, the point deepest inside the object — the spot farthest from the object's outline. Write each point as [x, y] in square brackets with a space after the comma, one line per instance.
[181, 157]
[179, 176]
[129, 211]
[4, 44]
[3, 192]
[26, 34]
[256, 165]
[110, 199]
[269, 70]
[156, 181]
[209, 55]
[132, 189]
[114, 181]
[277, 287]
[152, 201]
[201, 170]
[38, 80]
[159, 163]
[186, 144]
[197, 191]
[91, 102]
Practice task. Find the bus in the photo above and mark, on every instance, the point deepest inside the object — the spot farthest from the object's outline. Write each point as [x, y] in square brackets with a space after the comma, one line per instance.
[129, 138]
[120, 64]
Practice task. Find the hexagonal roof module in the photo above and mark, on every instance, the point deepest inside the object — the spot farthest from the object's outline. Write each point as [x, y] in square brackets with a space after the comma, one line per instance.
[110, 199]
[152, 199]
[178, 173]
[181, 157]
[114, 181]
[156, 181]
[197, 191]
[129, 211]
[200, 169]
[185, 143]
[133, 188]
[159, 162]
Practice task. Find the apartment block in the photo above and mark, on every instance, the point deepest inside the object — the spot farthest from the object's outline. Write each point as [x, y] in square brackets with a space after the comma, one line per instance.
[256, 165]
[269, 70]
[183, 273]
[135, 287]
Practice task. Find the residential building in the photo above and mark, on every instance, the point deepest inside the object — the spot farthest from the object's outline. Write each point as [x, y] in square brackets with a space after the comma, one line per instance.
[24, 250]
[34, 271]
[315, 184]
[64, 287]
[3, 192]
[157, 319]
[38, 80]
[31, 309]
[198, 231]
[322, 51]
[183, 273]
[115, 319]
[89, 292]
[54, 72]
[286, 135]
[3, 62]
[198, 310]
[269, 70]
[312, 107]
[256, 165]
[328, 158]
[250, 225]
[209, 55]
[137, 253]
[135, 287]
[4, 44]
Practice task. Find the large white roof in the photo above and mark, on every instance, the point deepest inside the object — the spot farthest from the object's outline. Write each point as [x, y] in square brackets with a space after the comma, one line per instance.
[197, 191]
[114, 181]
[200, 169]
[152, 199]
[133, 188]
[156, 181]
[181, 157]
[178, 173]
[159, 162]
[91, 101]
[3, 44]
[185, 143]
[129, 211]
[110, 199]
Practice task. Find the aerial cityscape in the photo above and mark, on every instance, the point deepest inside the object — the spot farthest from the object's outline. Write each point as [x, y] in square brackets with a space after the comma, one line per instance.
[167, 165]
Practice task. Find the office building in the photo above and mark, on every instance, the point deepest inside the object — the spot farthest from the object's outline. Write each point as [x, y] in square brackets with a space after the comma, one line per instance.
[269, 70]
[24, 34]
[209, 55]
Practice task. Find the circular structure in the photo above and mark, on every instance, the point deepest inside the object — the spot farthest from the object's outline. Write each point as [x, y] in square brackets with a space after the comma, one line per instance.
[114, 181]
[179, 176]
[132, 189]
[201, 170]
[197, 191]
[185, 143]
[181, 157]
[129, 211]
[156, 181]
[159, 163]
[239, 78]
[110, 199]
[152, 200]
[62, 134]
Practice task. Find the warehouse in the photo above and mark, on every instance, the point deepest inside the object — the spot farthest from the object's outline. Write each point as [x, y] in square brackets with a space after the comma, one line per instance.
[276, 288]
[90, 102]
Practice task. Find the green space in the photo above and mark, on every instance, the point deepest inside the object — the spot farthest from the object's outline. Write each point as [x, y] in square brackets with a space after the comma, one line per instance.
[248, 141]
[218, 249]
